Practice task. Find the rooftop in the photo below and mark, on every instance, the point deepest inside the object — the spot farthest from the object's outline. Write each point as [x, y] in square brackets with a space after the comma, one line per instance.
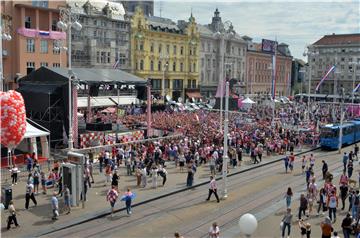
[341, 39]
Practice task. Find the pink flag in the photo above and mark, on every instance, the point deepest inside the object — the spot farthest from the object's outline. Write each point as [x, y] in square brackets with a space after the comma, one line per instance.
[220, 91]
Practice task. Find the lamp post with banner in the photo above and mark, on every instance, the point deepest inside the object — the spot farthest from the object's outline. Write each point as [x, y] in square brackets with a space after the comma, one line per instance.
[68, 20]
[5, 35]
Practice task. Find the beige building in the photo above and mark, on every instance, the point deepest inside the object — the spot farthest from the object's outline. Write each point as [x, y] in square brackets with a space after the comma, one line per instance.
[32, 25]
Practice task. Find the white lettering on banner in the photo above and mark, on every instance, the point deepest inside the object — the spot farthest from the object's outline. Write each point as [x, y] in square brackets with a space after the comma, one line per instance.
[128, 87]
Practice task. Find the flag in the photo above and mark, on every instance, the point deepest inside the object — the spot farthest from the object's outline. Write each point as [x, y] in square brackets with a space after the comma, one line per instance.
[44, 33]
[273, 81]
[220, 91]
[356, 88]
[116, 63]
[325, 76]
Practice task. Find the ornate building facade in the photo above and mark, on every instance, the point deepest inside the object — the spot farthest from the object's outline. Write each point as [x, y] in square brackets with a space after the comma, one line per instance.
[104, 40]
[222, 54]
[166, 53]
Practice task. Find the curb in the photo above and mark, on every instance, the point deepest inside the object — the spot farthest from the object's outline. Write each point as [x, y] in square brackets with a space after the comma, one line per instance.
[106, 212]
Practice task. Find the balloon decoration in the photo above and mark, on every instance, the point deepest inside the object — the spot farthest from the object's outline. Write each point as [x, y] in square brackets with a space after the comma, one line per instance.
[13, 118]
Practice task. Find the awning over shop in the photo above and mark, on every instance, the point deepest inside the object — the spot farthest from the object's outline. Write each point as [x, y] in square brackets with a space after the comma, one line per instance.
[193, 94]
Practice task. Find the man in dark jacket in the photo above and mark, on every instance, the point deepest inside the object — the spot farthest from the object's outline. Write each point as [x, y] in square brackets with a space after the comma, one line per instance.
[324, 169]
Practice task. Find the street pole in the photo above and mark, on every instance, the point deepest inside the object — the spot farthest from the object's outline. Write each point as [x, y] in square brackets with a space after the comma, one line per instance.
[309, 91]
[226, 131]
[222, 80]
[353, 87]
[335, 89]
[341, 119]
[1, 56]
[148, 110]
[70, 141]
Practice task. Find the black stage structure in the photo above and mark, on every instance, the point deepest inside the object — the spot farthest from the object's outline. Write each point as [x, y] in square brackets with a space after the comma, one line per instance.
[45, 93]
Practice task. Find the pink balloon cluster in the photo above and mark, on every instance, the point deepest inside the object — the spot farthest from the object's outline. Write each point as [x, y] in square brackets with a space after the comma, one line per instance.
[13, 118]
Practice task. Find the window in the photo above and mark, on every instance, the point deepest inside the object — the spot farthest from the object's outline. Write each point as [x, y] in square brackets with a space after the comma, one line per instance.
[152, 65]
[95, 33]
[37, 3]
[202, 63]
[160, 48]
[141, 46]
[56, 65]
[122, 59]
[181, 67]
[177, 84]
[159, 66]
[174, 66]
[168, 49]
[189, 83]
[181, 50]
[28, 22]
[56, 49]
[194, 84]
[95, 22]
[152, 47]
[103, 57]
[156, 84]
[53, 25]
[43, 64]
[209, 47]
[174, 49]
[208, 63]
[167, 83]
[108, 57]
[30, 66]
[190, 51]
[194, 67]
[98, 57]
[30, 45]
[141, 64]
[214, 63]
[44, 46]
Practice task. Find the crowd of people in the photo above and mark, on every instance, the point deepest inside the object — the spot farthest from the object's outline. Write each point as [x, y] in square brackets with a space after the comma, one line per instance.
[319, 200]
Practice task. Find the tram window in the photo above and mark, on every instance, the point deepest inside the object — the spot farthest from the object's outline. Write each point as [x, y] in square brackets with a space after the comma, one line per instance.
[328, 133]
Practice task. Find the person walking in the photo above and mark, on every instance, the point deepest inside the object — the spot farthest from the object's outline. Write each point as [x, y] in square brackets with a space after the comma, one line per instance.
[67, 199]
[303, 205]
[350, 168]
[326, 228]
[143, 177]
[213, 189]
[345, 160]
[356, 151]
[12, 215]
[288, 197]
[55, 206]
[355, 200]
[332, 204]
[163, 173]
[303, 164]
[214, 231]
[107, 174]
[346, 226]
[115, 180]
[324, 169]
[154, 176]
[291, 162]
[29, 195]
[190, 176]
[305, 229]
[322, 201]
[14, 174]
[343, 194]
[287, 220]
[128, 197]
[112, 197]
[286, 163]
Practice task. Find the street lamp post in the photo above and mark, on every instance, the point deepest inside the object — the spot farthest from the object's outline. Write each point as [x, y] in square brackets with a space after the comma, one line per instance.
[341, 118]
[227, 33]
[5, 35]
[310, 53]
[226, 131]
[68, 21]
[354, 65]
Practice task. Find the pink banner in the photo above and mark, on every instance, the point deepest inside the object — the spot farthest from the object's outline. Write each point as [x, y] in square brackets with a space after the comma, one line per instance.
[53, 35]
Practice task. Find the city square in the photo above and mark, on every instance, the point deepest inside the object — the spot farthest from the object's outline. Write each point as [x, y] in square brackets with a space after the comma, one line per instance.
[180, 119]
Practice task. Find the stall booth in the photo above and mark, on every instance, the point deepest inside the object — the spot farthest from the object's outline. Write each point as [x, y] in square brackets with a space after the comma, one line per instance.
[72, 176]
[33, 136]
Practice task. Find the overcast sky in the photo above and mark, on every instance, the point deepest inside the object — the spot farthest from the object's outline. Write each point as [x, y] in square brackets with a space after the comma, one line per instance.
[297, 23]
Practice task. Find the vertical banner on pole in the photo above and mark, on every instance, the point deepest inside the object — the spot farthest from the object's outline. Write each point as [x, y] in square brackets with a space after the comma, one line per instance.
[75, 117]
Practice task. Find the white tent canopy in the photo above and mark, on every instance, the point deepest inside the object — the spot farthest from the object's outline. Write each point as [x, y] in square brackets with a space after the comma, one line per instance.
[32, 132]
[248, 101]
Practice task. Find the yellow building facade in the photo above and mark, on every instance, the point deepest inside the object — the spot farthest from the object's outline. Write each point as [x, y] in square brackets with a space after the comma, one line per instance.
[166, 53]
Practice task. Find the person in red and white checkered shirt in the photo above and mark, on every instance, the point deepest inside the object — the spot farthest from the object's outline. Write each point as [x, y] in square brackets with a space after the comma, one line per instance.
[112, 197]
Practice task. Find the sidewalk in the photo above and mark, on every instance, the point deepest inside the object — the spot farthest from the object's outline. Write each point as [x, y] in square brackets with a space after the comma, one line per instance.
[37, 220]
